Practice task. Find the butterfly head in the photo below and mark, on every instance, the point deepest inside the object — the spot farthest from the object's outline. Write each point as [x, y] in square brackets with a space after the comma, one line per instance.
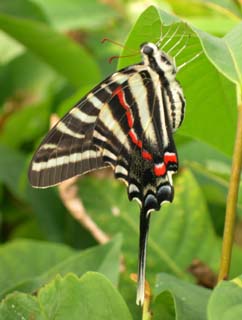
[158, 60]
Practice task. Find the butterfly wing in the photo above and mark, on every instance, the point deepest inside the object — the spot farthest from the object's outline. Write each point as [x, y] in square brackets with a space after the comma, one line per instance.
[125, 122]
[71, 147]
[142, 108]
[153, 110]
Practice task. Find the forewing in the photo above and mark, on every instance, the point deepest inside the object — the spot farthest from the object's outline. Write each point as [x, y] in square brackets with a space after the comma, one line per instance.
[69, 147]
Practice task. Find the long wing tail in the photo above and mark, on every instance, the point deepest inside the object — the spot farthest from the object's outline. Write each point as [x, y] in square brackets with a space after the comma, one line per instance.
[144, 229]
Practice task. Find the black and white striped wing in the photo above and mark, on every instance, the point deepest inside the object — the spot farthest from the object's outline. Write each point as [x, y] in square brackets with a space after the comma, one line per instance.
[126, 122]
[71, 147]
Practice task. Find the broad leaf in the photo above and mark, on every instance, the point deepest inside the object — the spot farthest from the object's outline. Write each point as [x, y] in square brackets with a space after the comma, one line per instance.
[51, 215]
[57, 50]
[225, 301]
[179, 233]
[66, 15]
[40, 262]
[90, 297]
[214, 16]
[26, 80]
[9, 48]
[24, 259]
[16, 161]
[225, 53]
[25, 9]
[211, 96]
[34, 126]
[179, 300]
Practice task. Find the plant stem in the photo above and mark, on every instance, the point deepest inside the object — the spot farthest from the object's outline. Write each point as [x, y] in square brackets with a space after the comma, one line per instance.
[146, 315]
[232, 197]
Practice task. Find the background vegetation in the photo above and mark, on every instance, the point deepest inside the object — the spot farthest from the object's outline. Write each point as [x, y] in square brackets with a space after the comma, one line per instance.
[50, 55]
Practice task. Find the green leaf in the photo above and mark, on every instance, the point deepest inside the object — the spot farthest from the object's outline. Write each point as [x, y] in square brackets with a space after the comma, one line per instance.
[57, 50]
[227, 6]
[215, 24]
[234, 47]
[26, 118]
[164, 306]
[9, 48]
[24, 259]
[179, 233]
[211, 96]
[207, 8]
[28, 229]
[209, 159]
[66, 15]
[51, 214]
[225, 53]
[16, 161]
[149, 21]
[211, 113]
[91, 297]
[176, 299]
[225, 301]
[65, 105]
[212, 169]
[214, 16]
[23, 9]
[41, 262]
[184, 229]
[26, 80]
[19, 305]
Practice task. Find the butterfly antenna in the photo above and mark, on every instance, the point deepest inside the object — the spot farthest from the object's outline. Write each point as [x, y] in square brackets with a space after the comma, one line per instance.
[117, 44]
[189, 61]
[144, 229]
[110, 60]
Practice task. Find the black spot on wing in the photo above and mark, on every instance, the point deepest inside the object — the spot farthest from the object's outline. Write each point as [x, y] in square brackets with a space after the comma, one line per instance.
[165, 192]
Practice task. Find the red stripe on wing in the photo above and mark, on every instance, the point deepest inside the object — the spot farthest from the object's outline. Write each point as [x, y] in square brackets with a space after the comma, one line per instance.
[170, 157]
[160, 169]
[119, 92]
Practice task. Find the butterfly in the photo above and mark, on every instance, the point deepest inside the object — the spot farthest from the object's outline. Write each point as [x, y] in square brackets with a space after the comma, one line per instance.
[126, 122]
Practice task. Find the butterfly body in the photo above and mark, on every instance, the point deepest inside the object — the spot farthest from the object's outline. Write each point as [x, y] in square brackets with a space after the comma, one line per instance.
[126, 122]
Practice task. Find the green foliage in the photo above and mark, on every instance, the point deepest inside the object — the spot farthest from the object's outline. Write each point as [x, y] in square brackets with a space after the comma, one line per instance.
[225, 301]
[92, 297]
[66, 15]
[183, 237]
[179, 300]
[50, 56]
[62, 54]
[49, 259]
[222, 53]
[42, 256]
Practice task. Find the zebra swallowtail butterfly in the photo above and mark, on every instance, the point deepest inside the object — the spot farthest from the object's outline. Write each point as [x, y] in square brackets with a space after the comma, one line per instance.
[125, 122]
